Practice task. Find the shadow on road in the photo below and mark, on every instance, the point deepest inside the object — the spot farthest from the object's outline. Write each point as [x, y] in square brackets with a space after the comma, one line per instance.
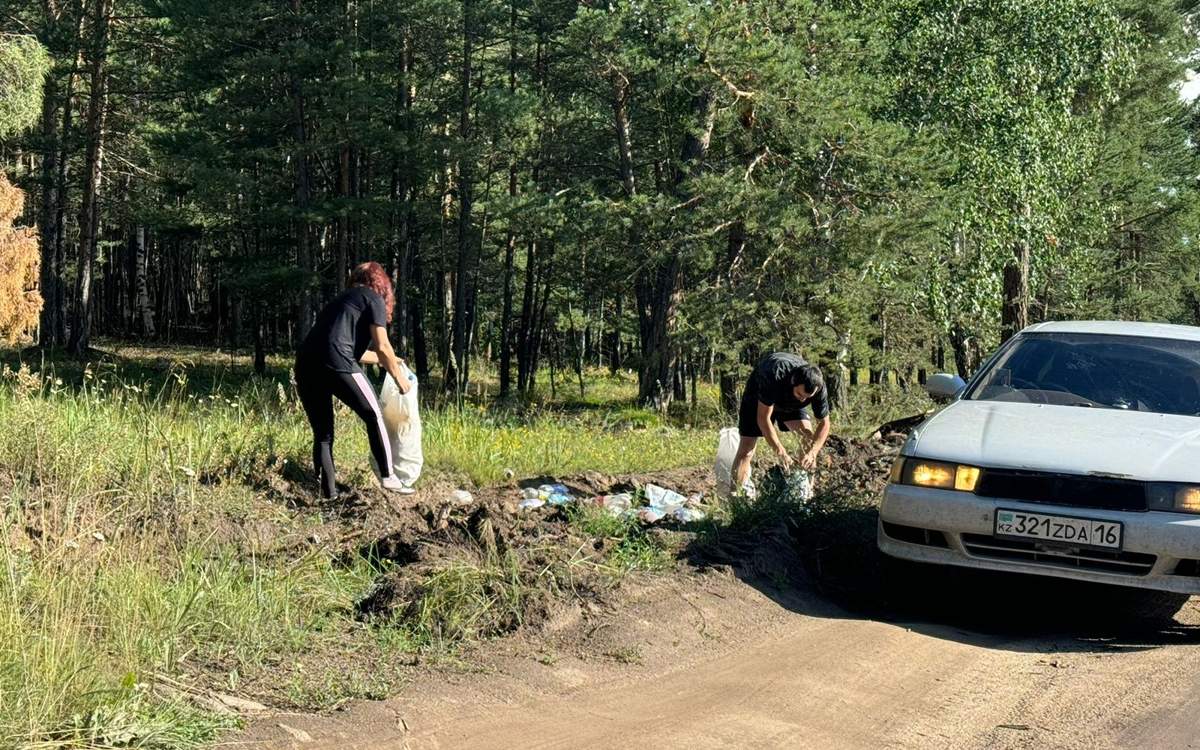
[827, 565]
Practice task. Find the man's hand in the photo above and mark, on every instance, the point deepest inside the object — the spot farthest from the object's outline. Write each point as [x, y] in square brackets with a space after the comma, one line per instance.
[809, 461]
[785, 459]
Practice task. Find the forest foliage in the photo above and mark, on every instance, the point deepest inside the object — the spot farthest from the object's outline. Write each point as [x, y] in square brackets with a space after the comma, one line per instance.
[661, 185]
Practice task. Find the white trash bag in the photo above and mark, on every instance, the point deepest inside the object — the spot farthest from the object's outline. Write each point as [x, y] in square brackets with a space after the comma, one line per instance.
[402, 419]
[727, 445]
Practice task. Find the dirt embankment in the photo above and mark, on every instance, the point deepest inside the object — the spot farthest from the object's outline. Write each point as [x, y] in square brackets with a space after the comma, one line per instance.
[778, 631]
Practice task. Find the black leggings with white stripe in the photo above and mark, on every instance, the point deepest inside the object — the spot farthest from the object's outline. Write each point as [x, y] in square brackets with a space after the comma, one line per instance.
[318, 385]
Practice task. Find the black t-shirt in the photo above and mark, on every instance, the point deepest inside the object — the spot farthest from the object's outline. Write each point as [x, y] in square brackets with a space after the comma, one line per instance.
[771, 384]
[342, 331]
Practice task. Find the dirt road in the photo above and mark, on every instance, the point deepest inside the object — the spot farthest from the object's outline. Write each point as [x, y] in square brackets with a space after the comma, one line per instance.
[716, 662]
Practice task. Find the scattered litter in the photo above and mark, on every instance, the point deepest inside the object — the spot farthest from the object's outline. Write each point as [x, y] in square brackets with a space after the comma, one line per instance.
[688, 515]
[660, 497]
[664, 502]
[462, 497]
[554, 494]
[650, 514]
[617, 505]
[661, 503]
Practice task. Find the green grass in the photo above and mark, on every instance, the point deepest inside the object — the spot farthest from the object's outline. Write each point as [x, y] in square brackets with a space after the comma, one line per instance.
[114, 585]
[627, 544]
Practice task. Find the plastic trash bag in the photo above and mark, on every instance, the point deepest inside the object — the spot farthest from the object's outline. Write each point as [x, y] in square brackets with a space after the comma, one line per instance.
[799, 486]
[650, 514]
[687, 514]
[727, 445]
[796, 486]
[660, 497]
[402, 419]
[617, 505]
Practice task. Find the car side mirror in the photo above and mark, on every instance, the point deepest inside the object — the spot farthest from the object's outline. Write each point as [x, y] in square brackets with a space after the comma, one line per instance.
[944, 386]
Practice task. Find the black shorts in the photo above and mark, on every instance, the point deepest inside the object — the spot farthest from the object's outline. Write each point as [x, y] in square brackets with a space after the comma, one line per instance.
[748, 417]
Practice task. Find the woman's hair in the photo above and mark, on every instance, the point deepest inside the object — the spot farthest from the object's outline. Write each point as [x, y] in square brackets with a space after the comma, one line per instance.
[373, 277]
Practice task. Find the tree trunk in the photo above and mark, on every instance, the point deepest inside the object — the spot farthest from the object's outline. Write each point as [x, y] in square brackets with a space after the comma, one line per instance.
[510, 246]
[546, 273]
[1014, 312]
[304, 253]
[462, 277]
[966, 351]
[260, 347]
[144, 310]
[342, 262]
[53, 330]
[417, 316]
[729, 393]
[660, 287]
[620, 105]
[89, 214]
[404, 197]
[615, 360]
[510, 239]
[680, 380]
[525, 334]
[48, 228]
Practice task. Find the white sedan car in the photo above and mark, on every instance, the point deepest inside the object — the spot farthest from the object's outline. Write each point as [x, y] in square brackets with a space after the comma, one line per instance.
[1074, 452]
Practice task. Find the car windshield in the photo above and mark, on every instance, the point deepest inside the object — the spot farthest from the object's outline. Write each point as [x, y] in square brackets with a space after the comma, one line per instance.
[1135, 373]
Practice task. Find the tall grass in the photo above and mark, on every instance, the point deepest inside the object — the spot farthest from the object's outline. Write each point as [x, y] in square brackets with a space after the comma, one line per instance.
[110, 578]
[113, 475]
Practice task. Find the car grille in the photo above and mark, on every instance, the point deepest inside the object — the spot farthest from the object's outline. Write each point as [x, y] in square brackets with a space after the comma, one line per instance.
[1128, 563]
[1063, 489]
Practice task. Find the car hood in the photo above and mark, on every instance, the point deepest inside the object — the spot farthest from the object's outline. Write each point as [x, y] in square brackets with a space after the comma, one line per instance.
[1064, 439]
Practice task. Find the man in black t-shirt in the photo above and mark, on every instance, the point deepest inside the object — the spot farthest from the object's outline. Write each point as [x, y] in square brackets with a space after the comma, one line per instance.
[778, 397]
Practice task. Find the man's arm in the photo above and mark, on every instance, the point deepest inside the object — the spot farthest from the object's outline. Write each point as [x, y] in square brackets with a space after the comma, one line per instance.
[387, 357]
[824, 427]
[767, 427]
[369, 358]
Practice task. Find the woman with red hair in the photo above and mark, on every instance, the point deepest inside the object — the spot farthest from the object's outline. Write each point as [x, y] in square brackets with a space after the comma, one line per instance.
[349, 330]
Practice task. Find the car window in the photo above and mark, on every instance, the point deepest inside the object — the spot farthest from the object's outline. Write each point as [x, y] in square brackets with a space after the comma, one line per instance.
[1134, 373]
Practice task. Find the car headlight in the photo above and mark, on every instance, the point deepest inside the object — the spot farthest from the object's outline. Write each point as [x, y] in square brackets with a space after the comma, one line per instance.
[939, 475]
[1180, 498]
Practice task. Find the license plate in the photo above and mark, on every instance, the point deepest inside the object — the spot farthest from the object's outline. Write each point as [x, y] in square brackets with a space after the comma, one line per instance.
[1083, 532]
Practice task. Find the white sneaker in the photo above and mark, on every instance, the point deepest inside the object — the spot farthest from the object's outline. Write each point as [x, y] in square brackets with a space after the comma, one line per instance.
[393, 484]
